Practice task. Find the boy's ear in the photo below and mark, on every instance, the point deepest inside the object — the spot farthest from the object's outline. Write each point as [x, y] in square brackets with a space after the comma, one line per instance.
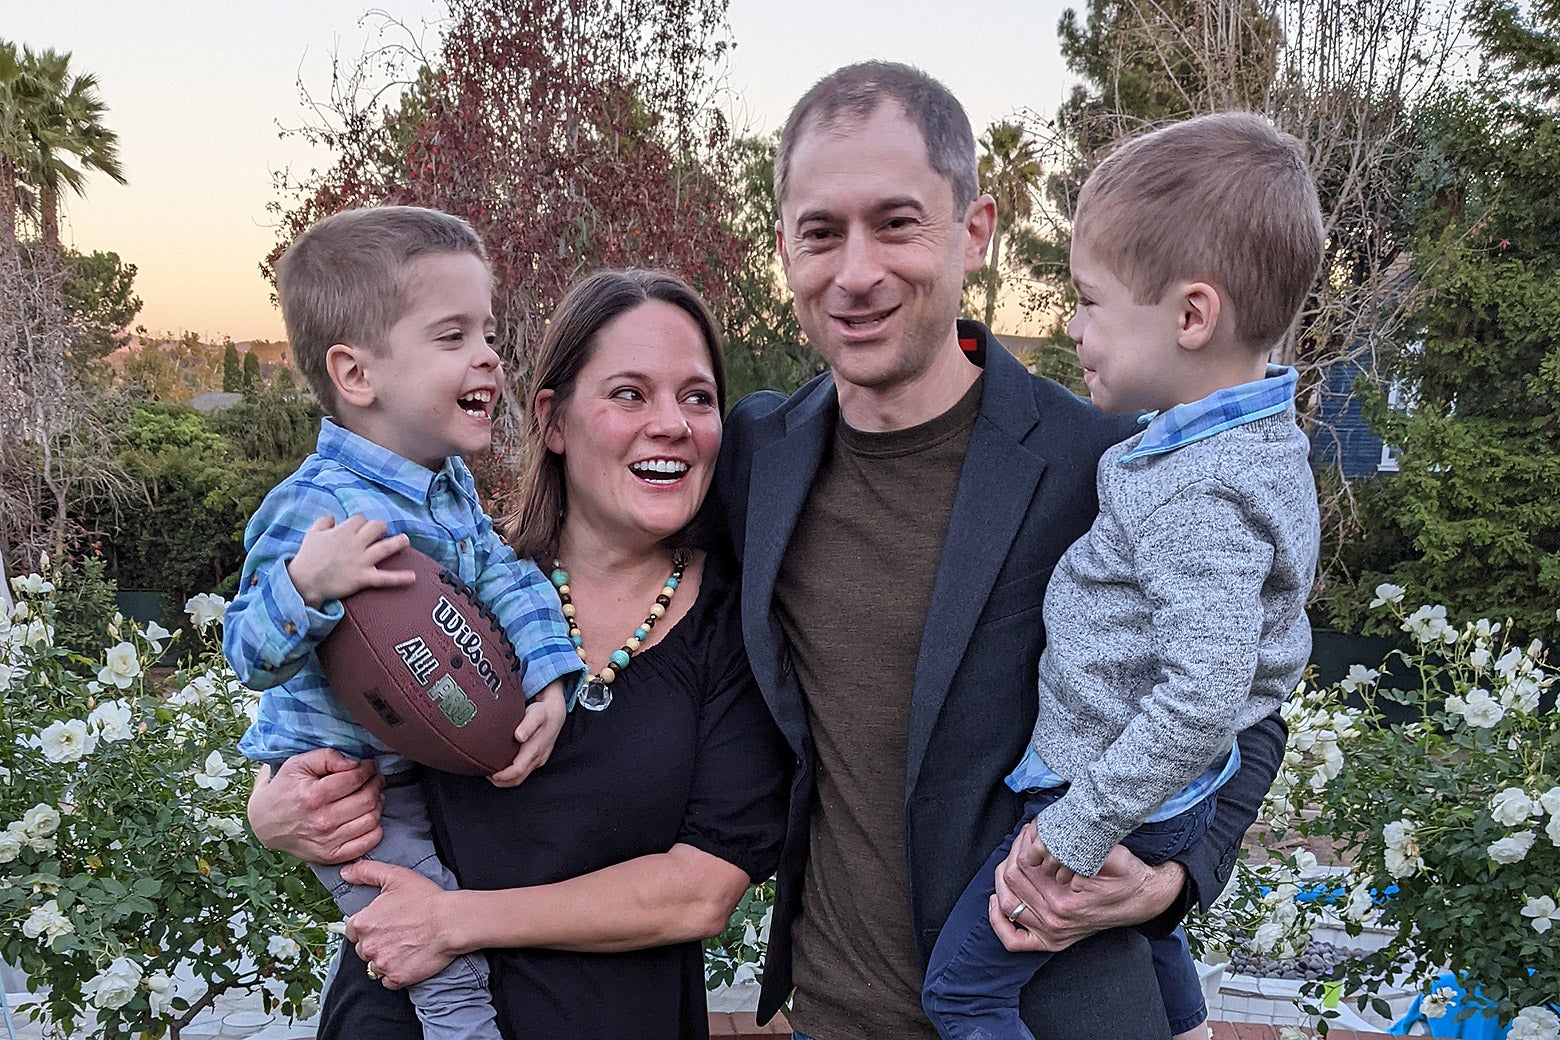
[1201, 306]
[344, 363]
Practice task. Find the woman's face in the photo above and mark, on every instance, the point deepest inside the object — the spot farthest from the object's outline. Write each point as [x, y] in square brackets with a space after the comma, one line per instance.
[640, 433]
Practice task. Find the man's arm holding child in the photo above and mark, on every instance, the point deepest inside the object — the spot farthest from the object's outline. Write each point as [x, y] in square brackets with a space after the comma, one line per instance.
[303, 556]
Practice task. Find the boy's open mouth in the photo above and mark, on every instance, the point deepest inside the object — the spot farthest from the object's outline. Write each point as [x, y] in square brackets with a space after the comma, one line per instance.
[476, 404]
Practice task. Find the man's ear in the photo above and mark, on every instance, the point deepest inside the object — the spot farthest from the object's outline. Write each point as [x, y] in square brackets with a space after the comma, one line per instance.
[1201, 306]
[552, 433]
[785, 261]
[344, 363]
[980, 223]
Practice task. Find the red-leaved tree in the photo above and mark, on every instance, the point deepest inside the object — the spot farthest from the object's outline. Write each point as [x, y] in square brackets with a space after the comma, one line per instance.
[573, 134]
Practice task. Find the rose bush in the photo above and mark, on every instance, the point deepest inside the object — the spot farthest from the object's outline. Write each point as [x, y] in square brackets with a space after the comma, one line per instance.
[1448, 823]
[129, 885]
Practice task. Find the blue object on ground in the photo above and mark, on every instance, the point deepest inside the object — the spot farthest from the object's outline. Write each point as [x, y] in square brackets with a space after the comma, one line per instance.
[1475, 1026]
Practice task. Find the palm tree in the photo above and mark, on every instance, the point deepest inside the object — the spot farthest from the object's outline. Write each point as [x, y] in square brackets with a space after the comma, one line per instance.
[72, 139]
[1010, 170]
[20, 91]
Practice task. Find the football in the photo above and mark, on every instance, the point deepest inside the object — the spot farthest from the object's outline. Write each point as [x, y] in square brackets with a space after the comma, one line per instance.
[426, 669]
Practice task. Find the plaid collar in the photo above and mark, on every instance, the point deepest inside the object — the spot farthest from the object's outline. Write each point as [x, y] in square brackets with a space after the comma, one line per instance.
[1221, 410]
[379, 465]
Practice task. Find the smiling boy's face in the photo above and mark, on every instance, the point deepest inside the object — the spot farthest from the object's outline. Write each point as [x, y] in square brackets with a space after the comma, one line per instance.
[436, 379]
[1129, 351]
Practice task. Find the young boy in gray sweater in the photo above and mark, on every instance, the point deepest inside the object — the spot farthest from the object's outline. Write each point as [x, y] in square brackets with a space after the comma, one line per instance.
[1178, 619]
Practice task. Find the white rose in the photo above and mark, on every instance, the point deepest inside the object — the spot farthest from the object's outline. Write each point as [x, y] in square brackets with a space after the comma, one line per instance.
[214, 774]
[1507, 666]
[67, 741]
[110, 720]
[156, 635]
[1455, 705]
[1512, 807]
[1482, 710]
[205, 609]
[1402, 849]
[160, 993]
[1543, 912]
[9, 673]
[1359, 676]
[1359, 903]
[1535, 1023]
[282, 948]
[1437, 1002]
[1550, 800]
[47, 922]
[1479, 658]
[10, 845]
[224, 826]
[1267, 937]
[195, 694]
[1513, 848]
[115, 985]
[121, 666]
[1521, 695]
[1386, 593]
[40, 821]
[1552, 828]
[31, 585]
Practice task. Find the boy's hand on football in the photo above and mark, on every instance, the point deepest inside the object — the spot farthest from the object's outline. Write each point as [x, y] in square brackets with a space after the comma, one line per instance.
[537, 733]
[336, 560]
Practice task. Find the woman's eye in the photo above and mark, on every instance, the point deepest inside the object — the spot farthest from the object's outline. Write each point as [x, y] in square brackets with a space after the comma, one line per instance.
[701, 397]
[627, 393]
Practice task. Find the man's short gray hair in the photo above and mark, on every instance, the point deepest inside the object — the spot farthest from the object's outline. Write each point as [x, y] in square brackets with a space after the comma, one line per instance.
[855, 92]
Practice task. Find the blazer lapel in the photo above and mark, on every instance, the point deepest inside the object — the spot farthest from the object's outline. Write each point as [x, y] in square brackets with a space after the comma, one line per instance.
[781, 476]
[995, 489]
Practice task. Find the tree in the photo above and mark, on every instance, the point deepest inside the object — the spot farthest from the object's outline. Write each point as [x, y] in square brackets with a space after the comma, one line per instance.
[251, 378]
[572, 134]
[1472, 519]
[232, 369]
[99, 295]
[1010, 171]
[71, 140]
[765, 347]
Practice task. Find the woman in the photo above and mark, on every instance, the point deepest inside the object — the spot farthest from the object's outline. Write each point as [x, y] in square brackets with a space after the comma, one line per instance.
[593, 882]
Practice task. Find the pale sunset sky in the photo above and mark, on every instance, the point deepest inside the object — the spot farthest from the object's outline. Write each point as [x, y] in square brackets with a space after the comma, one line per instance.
[198, 93]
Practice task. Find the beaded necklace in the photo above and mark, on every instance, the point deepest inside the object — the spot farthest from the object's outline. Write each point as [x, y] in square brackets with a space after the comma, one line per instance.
[597, 693]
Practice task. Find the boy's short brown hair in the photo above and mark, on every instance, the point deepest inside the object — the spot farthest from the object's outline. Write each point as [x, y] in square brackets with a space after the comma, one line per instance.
[341, 281]
[1223, 198]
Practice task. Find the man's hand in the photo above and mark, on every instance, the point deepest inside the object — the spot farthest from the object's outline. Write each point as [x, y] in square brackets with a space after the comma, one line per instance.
[336, 560]
[320, 806]
[1126, 891]
[537, 733]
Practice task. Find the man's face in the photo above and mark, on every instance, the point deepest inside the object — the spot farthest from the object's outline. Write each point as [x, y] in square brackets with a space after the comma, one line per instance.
[873, 249]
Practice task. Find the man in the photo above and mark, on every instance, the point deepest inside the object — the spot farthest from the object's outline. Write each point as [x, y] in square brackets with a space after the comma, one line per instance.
[897, 520]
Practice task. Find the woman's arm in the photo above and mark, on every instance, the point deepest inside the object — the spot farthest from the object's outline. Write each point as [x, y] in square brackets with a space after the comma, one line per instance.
[320, 806]
[414, 928]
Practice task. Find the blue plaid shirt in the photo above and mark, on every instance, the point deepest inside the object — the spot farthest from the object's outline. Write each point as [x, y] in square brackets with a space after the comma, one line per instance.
[1186, 424]
[269, 633]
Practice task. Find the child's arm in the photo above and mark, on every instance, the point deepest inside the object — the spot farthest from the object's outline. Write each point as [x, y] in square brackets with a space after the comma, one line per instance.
[1202, 559]
[273, 625]
[527, 608]
[537, 733]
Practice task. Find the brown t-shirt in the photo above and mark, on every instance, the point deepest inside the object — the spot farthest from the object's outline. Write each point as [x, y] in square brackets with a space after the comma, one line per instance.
[852, 597]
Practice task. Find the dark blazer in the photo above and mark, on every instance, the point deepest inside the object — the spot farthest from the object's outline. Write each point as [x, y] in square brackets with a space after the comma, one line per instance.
[1026, 493]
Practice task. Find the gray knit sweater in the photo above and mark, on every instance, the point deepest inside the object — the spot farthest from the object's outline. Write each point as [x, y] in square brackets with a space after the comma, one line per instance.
[1177, 621]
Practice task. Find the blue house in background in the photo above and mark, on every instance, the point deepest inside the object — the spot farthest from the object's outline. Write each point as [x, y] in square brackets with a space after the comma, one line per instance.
[1341, 438]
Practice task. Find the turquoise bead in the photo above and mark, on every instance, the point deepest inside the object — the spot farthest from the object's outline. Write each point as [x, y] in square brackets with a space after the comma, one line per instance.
[641, 635]
[560, 577]
[620, 658]
[671, 583]
[578, 641]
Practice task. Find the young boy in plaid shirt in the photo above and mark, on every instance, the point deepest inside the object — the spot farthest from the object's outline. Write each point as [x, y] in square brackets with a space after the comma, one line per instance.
[388, 314]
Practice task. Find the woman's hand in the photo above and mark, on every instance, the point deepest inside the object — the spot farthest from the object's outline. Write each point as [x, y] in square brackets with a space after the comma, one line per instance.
[319, 806]
[400, 933]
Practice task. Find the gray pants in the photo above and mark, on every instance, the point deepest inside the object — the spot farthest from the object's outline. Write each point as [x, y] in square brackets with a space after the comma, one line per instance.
[455, 1003]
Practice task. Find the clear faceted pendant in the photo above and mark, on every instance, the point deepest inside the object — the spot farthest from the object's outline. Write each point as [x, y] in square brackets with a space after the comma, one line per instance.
[596, 695]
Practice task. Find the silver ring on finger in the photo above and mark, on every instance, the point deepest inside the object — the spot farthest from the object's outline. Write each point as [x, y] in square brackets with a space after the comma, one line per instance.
[371, 972]
[1020, 908]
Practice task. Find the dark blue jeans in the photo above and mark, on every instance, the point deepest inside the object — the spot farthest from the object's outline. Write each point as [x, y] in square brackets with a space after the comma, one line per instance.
[973, 981]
